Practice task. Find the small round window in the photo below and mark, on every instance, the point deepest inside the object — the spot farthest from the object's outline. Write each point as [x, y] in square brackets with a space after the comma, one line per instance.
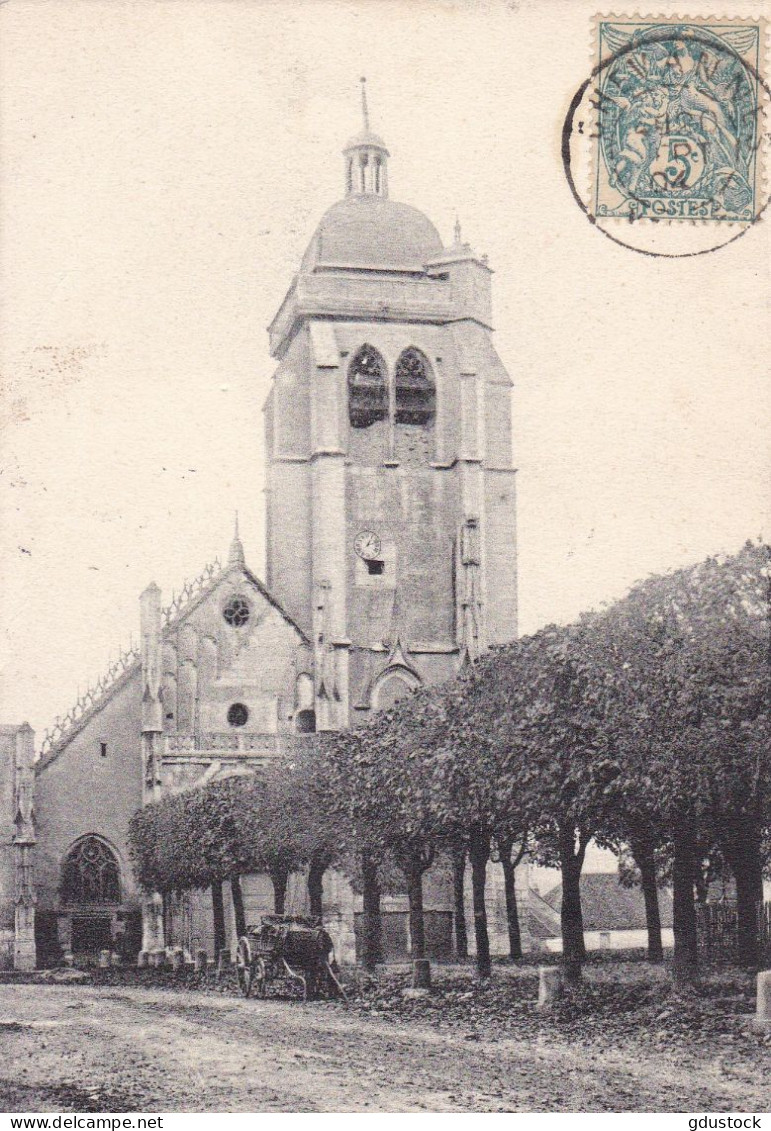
[236, 612]
[238, 715]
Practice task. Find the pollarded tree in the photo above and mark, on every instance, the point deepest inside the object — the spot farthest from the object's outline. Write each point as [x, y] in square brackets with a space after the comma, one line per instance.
[556, 764]
[294, 825]
[725, 619]
[686, 692]
[174, 846]
[344, 771]
[471, 796]
[380, 792]
[655, 732]
[437, 727]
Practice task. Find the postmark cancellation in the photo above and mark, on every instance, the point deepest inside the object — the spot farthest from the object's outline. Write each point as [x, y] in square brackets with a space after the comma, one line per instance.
[674, 121]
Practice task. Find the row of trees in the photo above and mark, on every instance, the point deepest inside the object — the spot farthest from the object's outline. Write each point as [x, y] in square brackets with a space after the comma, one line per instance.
[644, 727]
[232, 827]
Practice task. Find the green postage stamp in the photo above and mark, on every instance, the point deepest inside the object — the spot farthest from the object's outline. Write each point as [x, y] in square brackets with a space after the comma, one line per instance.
[679, 123]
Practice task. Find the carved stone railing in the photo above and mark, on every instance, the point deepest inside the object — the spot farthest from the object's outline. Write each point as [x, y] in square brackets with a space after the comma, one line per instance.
[227, 744]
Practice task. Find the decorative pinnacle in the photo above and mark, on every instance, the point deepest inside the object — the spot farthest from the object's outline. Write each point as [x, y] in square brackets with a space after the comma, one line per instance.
[364, 109]
[457, 230]
[236, 555]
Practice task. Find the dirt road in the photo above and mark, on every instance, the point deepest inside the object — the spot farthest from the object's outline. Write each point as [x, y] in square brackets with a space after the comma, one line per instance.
[85, 1048]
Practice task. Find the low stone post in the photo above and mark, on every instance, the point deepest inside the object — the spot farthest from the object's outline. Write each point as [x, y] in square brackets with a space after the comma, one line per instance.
[115, 958]
[104, 959]
[549, 986]
[201, 961]
[142, 960]
[762, 1019]
[223, 963]
[177, 959]
[421, 974]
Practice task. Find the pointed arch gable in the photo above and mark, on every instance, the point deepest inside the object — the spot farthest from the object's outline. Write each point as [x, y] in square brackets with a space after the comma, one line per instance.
[393, 684]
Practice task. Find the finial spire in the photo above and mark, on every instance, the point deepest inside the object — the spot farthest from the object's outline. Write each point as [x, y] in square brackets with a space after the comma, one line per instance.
[236, 555]
[364, 109]
[366, 158]
[457, 230]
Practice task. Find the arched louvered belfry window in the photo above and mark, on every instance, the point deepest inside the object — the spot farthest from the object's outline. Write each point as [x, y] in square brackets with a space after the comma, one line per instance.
[367, 388]
[414, 392]
[90, 873]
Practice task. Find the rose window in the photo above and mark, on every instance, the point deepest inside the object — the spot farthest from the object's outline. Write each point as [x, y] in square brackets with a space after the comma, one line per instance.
[236, 612]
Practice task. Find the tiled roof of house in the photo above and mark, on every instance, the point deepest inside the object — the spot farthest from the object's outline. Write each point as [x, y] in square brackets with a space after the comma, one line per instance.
[607, 906]
[543, 922]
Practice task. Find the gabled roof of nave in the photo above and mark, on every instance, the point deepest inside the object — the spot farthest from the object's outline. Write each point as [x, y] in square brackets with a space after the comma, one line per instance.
[182, 606]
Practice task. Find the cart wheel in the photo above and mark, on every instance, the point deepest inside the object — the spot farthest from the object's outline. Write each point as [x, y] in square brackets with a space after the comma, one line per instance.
[260, 977]
[244, 970]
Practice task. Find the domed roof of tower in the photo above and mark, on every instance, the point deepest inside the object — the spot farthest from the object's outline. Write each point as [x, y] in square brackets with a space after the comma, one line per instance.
[365, 230]
[366, 139]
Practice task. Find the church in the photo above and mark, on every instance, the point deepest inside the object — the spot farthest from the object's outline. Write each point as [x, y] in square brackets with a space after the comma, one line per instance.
[391, 561]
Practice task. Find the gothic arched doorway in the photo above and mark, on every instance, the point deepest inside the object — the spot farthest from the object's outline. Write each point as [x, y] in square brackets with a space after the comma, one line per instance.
[394, 684]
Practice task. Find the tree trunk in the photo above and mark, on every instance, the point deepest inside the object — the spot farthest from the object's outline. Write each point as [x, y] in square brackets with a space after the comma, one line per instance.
[316, 869]
[413, 871]
[218, 913]
[280, 878]
[685, 964]
[458, 878]
[571, 918]
[510, 891]
[371, 950]
[644, 858]
[238, 905]
[744, 858]
[479, 851]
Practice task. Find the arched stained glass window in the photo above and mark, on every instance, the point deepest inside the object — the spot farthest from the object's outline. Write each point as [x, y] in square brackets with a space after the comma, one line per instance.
[415, 394]
[367, 388]
[90, 873]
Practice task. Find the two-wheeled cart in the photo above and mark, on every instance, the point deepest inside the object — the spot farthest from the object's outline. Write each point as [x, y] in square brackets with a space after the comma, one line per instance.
[292, 949]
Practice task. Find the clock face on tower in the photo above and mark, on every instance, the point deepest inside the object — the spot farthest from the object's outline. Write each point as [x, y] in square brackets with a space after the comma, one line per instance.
[367, 545]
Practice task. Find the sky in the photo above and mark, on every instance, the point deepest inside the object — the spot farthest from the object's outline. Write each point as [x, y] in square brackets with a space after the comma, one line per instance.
[164, 165]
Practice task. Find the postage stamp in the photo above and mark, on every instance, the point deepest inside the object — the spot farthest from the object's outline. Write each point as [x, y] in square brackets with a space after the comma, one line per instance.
[666, 144]
[678, 120]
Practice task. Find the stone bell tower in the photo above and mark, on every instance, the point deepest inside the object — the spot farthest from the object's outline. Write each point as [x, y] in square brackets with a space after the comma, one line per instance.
[391, 530]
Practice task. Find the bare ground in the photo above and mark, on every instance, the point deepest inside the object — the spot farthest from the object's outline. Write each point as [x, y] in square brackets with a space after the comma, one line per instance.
[130, 1047]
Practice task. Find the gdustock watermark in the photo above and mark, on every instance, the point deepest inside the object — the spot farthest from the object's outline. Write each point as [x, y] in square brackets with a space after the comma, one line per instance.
[711, 1122]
